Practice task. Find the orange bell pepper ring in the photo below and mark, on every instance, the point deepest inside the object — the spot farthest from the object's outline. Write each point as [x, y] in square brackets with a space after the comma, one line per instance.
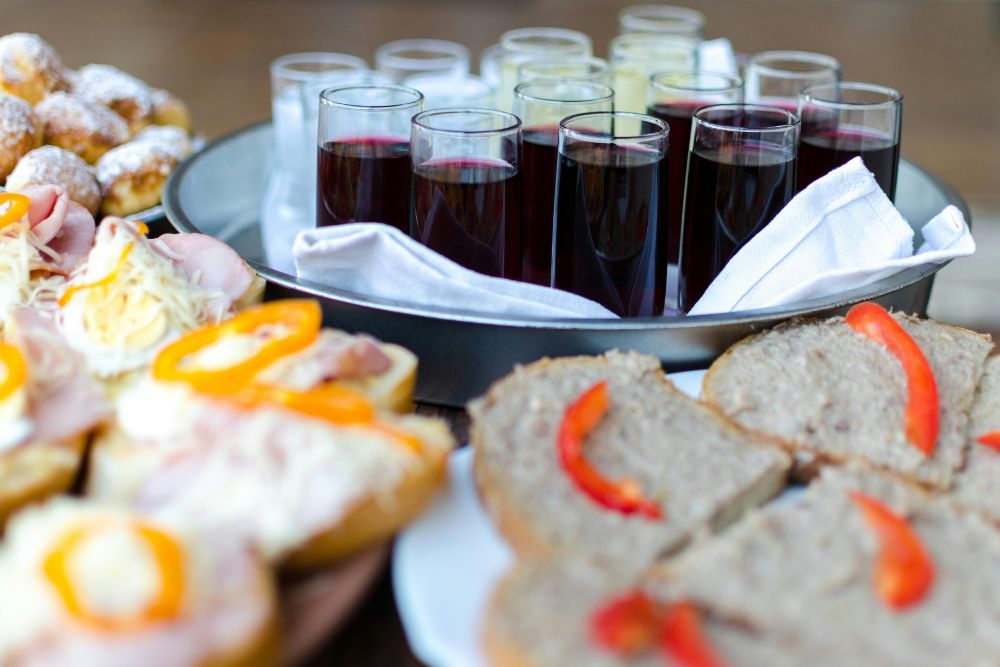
[302, 317]
[580, 418]
[166, 605]
[683, 640]
[991, 440]
[13, 207]
[904, 571]
[16, 370]
[923, 409]
[71, 291]
[626, 625]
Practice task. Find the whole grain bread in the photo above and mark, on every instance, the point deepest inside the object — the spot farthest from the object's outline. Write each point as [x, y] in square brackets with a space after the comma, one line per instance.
[832, 395]
[802, 572]
[697, 465]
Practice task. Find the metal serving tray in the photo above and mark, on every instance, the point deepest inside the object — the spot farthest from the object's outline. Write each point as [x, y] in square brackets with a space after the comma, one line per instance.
[218, 191]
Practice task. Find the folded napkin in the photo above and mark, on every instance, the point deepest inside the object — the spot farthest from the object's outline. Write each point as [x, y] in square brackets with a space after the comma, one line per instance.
[840, 233]
[380, 261]
[716, 55]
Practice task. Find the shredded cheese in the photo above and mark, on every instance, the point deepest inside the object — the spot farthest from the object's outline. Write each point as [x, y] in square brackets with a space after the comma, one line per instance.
[22, 259]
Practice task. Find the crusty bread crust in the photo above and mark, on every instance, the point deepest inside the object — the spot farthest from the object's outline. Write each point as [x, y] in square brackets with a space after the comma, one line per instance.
[25, 478]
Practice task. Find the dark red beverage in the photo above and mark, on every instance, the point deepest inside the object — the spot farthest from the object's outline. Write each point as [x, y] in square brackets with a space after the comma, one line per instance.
[731, 195]
[677, 116]
[364, 180]
[539, 155]
[469, 211]
[611, 231]
[824, 150]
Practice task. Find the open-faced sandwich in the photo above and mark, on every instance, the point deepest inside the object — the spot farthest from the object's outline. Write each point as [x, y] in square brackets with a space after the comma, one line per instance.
[91, 584]
[49, 404]
[269, 428]
[132, 295]
[602, 457]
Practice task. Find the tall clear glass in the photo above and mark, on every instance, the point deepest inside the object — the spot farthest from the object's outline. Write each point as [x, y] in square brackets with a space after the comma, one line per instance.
[741, 173]
[541, 106]
[446, 91]
[364, 155]
[404, 58]
[635, 57]
[467, 187]
[524, 44]
[610, 240]
[662, 19]
[776, 78]
[846, 120]
[594, 70]
[674, 96]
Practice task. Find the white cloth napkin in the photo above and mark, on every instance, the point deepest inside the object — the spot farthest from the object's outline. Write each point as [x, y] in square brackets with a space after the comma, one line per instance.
[379, 260]
[716, 55]
[840, 233]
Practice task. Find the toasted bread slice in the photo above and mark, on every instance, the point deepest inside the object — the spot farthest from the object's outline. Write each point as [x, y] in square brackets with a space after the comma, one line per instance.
[393, 389]
[833, 396]
[977, 486]
[700, 468]
[803, 571]
[35, 471]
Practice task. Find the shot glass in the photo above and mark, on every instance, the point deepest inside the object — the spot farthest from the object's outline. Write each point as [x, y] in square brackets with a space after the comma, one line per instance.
[524, 44]
[593, 70]
[449, 91]
[364, 155]
[610, 238]
[841, 121]
[674, 96]
[467, 187]
[776, 78]
[542, 105]
[662, 19]
[404, 58]
[635, 57]
[741, 173]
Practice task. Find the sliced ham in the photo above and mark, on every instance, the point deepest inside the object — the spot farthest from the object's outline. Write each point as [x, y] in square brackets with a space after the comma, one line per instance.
[334, 356]
[65, 401]
[61, 224]
[209, 263]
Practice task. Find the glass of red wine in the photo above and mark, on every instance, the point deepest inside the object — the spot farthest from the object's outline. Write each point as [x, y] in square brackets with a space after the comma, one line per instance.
[777, 77]
[674, 96]
[541, 105]
[610, 240]
[741, 173]
[467, 187]
[364, 155]
[841, 121]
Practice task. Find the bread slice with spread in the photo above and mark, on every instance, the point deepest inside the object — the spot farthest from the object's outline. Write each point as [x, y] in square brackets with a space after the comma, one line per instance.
[669, 466]
[832, 394]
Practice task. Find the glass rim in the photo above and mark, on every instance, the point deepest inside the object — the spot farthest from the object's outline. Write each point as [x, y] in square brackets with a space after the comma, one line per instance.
[280, 66]
[792, 119]
[572, 60]
[418, 120]
[450, 52]
[657, 14]
[822, 61]
[326, 97]
[735, 80]
[573, 39]
[661, 133]
[622, 45]
[519, 92]
[893, 96]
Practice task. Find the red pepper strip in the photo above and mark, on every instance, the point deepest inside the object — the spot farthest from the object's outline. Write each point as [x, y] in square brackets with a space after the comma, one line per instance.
[627, 624]
[904, 571]
[923, 411]
[991, 440]
[580, 418]
[683, 640]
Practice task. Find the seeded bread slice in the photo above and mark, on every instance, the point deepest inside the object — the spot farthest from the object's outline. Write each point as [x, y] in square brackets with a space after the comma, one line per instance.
[832, 395]
[803, 572]
[977, 487]
[698, 466]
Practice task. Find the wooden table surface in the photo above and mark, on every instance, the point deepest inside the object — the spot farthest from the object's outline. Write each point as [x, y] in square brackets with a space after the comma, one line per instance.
[943, 55]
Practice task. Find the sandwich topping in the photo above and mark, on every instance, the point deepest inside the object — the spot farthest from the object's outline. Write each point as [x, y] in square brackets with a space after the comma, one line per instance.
[683, 639]
[904, 571]
[991, 440]
[580, 418]
[923, 410]
[15, 424]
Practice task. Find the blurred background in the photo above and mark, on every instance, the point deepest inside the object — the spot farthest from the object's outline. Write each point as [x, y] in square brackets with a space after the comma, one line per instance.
[943, 55]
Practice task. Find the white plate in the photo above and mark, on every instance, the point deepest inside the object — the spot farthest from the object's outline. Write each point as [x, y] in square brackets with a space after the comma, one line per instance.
[446, 564]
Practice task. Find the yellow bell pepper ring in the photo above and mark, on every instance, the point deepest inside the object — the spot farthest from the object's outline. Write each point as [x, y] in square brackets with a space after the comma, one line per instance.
[13, 207]
[17, 370]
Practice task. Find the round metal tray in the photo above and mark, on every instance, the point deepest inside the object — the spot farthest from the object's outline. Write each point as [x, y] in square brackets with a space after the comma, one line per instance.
[218, 190]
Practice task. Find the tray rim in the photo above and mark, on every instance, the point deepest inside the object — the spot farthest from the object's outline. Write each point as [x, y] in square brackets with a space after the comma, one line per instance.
[180, 221]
